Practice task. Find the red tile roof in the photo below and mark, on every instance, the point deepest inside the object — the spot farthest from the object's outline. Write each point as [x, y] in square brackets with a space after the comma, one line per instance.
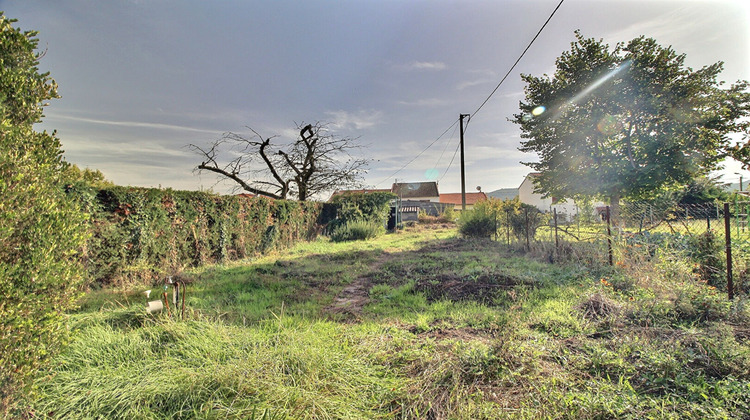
[455, 198]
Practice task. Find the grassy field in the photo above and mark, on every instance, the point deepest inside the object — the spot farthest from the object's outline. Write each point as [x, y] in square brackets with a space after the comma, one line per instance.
[417, 324]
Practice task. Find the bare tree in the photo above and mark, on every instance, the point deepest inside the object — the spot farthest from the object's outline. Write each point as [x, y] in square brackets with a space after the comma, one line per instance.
[316, 162]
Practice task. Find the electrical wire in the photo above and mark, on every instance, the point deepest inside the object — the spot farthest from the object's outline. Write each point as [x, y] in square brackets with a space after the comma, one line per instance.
[517, 61]
[480, 106]
[458, 146]
[418, 155]
[453, 135]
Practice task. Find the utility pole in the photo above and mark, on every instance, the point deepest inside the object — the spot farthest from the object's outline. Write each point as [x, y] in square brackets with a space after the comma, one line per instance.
[463, 171]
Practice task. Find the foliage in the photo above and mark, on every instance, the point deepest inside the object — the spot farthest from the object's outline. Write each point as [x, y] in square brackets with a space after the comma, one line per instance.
[741, 152]
[525, 222]
[371, 207]
[707, 251]
[627, 121]
[448, 215]
[702, 190]
[317, 162]
[41, 231]
[480, 222]
[357, 230]
[141, 234]
[91, 177]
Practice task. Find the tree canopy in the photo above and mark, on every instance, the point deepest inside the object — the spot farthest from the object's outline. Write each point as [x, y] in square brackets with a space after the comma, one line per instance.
[627, 121]
[41, 230]
[316, 162]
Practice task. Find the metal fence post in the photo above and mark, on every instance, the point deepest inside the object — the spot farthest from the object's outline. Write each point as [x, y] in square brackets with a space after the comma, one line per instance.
[609, 238]
[728, 233]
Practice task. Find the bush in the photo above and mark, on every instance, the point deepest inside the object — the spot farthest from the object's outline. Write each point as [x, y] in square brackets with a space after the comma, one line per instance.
[526, 221]
[357, 230]
[41, 230]
[357, 207]
[477, 223]
[447, 216]
[709, 255]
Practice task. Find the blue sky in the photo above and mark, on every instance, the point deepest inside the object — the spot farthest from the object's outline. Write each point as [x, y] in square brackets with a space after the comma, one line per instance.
[141, 79]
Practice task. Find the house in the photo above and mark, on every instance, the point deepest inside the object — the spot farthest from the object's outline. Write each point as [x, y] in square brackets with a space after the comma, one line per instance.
[455, 199]
[566, 209]
[417, 191]
[412, 198]
[527, 195]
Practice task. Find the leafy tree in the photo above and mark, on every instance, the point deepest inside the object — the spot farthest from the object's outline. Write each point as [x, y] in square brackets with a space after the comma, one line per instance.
[315, 163]
[741, 153]
[92, 177]
[40, 228]
[627, 121]
[702, 190]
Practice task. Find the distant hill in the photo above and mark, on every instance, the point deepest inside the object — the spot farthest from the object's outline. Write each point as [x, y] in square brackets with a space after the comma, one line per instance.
[504, 193]
[731, 187]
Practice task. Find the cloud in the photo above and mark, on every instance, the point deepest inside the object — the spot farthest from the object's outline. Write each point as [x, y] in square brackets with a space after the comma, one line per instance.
[423, 66]
[425, 102]
[358, 120]
[131, 124]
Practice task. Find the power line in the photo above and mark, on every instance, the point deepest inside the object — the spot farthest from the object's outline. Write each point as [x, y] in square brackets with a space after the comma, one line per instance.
[451, 162]
[453, 135]
[519, 59]
[480, 106]
[417, 156]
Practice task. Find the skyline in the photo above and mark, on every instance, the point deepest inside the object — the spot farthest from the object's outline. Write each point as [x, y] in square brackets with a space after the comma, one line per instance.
[140, 80]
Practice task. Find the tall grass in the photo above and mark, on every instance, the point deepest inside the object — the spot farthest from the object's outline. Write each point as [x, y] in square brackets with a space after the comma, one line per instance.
[453, 329]
[206, 369]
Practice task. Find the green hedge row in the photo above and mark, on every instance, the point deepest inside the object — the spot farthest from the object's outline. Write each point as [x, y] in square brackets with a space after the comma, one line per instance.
[139, 233]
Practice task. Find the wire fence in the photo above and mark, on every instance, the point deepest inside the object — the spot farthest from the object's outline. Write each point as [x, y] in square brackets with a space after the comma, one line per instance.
[611, 234]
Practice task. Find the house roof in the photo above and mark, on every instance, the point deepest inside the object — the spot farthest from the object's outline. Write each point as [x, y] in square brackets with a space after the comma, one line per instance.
[415, 189]
[455, 198]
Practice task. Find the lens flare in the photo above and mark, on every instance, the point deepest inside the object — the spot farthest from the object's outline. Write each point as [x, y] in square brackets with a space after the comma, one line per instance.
[432, 174]
[538, 111]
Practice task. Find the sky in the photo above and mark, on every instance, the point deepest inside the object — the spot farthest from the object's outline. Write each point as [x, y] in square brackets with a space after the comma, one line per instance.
[140, 80]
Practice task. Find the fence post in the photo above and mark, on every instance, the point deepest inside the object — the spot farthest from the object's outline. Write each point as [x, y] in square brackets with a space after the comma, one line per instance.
[609, 238]
[528, 244]
[507, 226]
[557, 242]
[494, 213]
[728, 233]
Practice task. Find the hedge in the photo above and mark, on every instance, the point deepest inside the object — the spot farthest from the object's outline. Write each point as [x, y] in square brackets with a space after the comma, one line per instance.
[147, 233]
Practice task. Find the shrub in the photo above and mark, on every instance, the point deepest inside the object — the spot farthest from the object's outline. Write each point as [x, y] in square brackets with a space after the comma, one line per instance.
[41, 230]
[357, 230]
[526, 221]
[356, 207]
[708, 254]
[477, 223]
[448, 215]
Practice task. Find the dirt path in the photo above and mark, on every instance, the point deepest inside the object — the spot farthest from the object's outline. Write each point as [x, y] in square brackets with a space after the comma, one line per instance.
[356, 295]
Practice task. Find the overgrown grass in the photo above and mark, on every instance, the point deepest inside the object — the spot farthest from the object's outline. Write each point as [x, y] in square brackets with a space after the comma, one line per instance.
[452, 328]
